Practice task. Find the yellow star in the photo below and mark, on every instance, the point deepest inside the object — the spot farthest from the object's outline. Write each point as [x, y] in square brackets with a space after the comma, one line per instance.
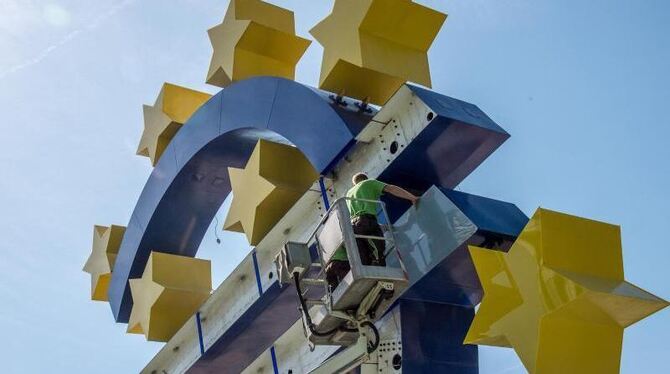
[100, 263]
[173, 107]
[254, 39]
[559, 297]
[372, 47]
[171, 289]
[275, 177]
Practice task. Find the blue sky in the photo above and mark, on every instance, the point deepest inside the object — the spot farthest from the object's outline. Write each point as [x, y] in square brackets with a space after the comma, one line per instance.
[583, 87]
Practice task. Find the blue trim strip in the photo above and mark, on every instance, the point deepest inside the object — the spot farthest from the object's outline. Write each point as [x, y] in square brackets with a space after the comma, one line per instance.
[324, 193]
[258, 273]
[197, 324]
[274, 359]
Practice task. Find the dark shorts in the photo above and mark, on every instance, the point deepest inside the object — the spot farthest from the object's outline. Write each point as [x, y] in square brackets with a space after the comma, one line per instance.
[370, 250]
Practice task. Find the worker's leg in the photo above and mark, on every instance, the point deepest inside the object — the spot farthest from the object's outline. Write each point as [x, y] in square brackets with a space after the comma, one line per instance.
[380, 245]
[370, 250]
[335, 272]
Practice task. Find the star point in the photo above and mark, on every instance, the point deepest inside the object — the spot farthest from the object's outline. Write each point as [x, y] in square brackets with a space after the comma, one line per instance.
[558, 297]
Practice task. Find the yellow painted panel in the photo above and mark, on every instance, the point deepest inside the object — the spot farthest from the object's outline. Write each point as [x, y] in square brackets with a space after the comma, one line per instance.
[100, 286]
[250, 64]
[263, 13]
[575, 346]
[169, 271]
[272, 44]
[350, 80]
[170, 291]
[581, 245]
[254, 39]
[173, 107]
[414, 26]
[179, 103]
[382, 43]
[402, 64]
[275, 177]
[558, 296]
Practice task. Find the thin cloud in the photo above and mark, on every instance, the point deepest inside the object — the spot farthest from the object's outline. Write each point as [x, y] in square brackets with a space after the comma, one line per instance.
[112, 11]
[56, 15]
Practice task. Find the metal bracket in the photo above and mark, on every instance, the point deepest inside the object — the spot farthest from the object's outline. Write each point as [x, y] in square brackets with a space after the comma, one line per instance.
[339, 99]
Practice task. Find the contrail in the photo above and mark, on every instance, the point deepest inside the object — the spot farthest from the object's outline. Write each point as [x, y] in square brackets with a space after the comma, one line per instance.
[67, 38]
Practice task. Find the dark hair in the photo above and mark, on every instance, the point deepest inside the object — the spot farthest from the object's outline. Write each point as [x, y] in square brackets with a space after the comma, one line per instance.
[358, 177]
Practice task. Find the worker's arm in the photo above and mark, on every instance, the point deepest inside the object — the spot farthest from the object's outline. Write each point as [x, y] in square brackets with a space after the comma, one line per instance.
[401, 193]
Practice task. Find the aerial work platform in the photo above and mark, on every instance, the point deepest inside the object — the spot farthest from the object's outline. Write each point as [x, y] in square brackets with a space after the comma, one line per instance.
[363, 293]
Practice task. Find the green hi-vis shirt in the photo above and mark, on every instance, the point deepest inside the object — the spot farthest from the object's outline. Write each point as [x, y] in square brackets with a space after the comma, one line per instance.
[369, 189]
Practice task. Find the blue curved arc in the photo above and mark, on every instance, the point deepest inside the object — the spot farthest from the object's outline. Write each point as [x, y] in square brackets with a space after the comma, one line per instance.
[190, 181]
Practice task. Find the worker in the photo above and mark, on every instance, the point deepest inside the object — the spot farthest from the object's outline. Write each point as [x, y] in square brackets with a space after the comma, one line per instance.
[364, 221]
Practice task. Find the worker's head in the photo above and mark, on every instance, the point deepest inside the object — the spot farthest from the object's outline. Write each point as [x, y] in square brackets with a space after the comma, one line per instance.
[358, 177]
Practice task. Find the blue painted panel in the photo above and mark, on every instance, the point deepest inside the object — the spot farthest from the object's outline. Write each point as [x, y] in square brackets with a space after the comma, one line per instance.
[455, 109]
[453, 281]
[451, 146]
[444, 153]
[292, 118]
[251, 103]
[488, 214]
[190, 181]
[203, 126]
[251, 334]
[432, 338]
